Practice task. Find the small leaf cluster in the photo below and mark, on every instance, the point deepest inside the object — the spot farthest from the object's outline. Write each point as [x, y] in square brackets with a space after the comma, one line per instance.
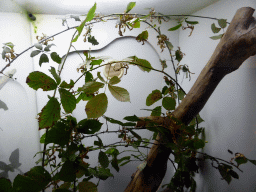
[190, 25]
[8, 52]
[44, 51]
[223, 24]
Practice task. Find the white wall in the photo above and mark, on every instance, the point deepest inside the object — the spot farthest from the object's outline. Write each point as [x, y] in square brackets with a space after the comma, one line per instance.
[229, 113]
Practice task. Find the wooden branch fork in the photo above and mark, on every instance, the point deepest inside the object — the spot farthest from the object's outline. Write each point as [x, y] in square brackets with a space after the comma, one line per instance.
[237, 44]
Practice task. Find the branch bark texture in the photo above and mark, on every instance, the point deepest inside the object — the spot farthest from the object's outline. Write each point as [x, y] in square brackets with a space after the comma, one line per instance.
[237, 44]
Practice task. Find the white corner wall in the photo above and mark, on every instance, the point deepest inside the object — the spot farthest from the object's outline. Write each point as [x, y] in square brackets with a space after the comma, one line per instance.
[28, 103]
[229, 113]
[18, 127]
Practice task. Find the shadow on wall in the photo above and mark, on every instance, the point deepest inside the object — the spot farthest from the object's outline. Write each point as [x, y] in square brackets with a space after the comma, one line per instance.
[14, 164]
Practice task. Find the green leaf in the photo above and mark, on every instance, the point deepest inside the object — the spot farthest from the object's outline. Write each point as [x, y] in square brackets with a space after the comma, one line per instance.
[59, 134]
[175, 28]
[49, 114]
[89, 126]
[88, 77]
[34, 53]
[100, 77]
[144, 65]
[156, 111]
[38, 80]
[84, 97]
[79, 30]
[43, 59]
[130, 6]
[114, 164]
[23, 183]
[68, 100]
[91, 13]
[153, 97]
[55, 57]
[192, 22]
[241, 160]
[34, 180]
[92, 40]
[67, 86]
[112, 151]
[132, 118]
[9, 44]
[96, 62]
[199, 143]
[169, 103]
[143, 36]
[67, 172]
[38, 46]
[114, 80]
[47, 48]
[5, 185]
[55, 75]
[119, 93]
[88, 18]
[222, 23]
[42, 139]
[103, 159]
[217, 37]
[169, 45]
[91, 87]
[97, 106]
[181, 94]
[199, 119]
[136, 23]
[104, 173]
[114, 121]
[99, 142]
[134, 134]
[87, 186]
[40, 176]
[215, 29]
[178, 55]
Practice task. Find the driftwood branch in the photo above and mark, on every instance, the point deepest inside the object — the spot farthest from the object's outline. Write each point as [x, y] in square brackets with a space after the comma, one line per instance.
[237, 44]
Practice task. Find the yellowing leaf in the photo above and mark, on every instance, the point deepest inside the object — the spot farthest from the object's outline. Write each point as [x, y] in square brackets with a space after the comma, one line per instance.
[97, 106]
[119, 93]
[38, 80]
[153, 97]
[114, 80]
[217, 37]
[91, 87]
